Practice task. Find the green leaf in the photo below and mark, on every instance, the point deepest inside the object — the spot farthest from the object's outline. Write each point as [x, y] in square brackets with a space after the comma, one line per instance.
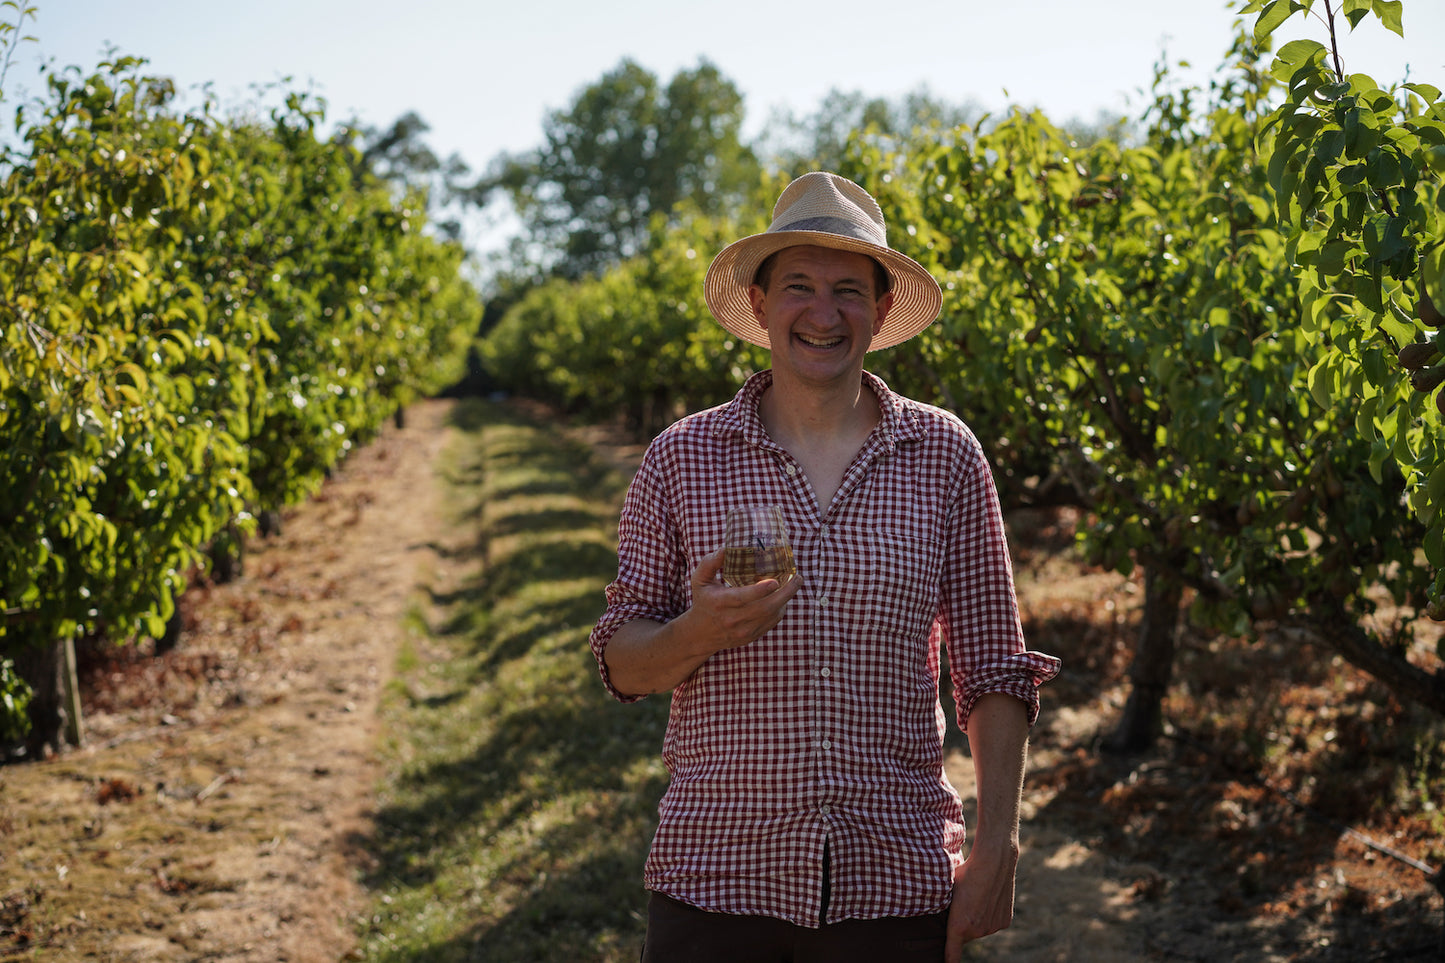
[1367, 292]
[1435, 487]
[1330, 146]
[1432, 272]
[1428, 92]
[1434, 545]
[1435, 158]
[1275, 13]
[1298, 52]
[1385, 238]
[1353, 175]
[1331, 259]
[1302, 244]
[1279, 160]
[1403, 332]
[1321, 382]
[132, 371]
[1391, 14]
[1365, 416]
[1384, 169]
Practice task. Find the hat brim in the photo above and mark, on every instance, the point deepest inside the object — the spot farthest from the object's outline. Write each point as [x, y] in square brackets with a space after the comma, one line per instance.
[916, 295]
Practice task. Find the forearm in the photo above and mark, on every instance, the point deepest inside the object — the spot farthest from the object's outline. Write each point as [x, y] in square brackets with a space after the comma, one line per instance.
[644, 657]
[998, 733]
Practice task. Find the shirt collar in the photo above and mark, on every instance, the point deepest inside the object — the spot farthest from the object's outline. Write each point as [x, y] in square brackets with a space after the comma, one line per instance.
[900, 420]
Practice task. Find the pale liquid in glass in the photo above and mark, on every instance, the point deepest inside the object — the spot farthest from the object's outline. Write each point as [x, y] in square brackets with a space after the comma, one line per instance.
[746, 565]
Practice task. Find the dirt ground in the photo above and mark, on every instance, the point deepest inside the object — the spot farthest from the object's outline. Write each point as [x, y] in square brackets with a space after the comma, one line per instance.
[220, 823]
[226, 822]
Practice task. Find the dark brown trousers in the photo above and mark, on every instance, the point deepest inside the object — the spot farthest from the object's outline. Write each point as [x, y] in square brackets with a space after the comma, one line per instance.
[679, 933]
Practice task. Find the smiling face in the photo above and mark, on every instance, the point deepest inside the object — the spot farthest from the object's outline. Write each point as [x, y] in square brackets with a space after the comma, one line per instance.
[821, 310]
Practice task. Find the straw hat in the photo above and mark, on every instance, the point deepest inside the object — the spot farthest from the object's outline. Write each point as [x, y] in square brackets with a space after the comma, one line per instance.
[828, 211]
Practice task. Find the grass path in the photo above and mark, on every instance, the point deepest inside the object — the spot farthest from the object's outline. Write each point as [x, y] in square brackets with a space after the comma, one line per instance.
[520, 799]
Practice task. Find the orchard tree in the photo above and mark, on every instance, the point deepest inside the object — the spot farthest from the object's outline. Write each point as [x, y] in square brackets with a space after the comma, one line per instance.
[820, 140]
[626, 150]
[400, 154]
[207, 315]
[1356, 171]
[1121, 322]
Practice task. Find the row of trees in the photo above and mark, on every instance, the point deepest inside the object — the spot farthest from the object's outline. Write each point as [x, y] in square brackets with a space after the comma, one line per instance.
[204, 313]
[1192, 336]
[214, 306]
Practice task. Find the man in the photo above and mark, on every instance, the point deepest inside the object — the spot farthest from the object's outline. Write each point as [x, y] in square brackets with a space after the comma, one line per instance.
[808, 816]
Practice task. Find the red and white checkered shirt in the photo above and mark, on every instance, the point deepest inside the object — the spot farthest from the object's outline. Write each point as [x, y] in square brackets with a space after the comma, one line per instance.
[829, 727]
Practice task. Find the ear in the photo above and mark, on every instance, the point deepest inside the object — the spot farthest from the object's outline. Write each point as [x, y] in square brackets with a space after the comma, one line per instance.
[757, 297]
[883, 305]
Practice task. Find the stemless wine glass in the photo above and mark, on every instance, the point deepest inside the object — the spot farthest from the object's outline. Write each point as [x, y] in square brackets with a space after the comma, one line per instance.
[756, 546]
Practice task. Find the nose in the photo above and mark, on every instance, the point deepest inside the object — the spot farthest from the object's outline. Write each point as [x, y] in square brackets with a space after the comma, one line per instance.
[827, 307]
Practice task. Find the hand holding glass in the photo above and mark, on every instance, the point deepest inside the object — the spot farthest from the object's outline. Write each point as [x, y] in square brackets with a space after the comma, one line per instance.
[756, 546]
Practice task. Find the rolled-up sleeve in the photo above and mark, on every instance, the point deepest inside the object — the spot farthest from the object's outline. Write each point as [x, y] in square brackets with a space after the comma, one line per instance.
[651, 580]
[979, 618]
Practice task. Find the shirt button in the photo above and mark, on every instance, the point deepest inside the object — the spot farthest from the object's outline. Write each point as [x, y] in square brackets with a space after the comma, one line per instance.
[825, 809]
[791, 470]
[823, 531]
[826, 672]
[827, 744]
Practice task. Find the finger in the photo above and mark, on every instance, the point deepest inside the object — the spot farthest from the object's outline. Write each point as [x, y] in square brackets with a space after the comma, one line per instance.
[708, 568]
[792, 586]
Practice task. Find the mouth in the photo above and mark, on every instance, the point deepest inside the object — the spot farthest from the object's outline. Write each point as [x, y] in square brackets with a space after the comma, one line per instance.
[813, 342]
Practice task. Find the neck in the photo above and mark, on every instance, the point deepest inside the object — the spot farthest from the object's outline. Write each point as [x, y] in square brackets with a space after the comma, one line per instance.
[808, 416]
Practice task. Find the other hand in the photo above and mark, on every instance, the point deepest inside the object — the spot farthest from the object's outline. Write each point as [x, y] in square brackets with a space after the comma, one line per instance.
[983, 898]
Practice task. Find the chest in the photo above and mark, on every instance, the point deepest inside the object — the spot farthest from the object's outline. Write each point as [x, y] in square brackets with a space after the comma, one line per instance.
[879, 493]
[824, 471]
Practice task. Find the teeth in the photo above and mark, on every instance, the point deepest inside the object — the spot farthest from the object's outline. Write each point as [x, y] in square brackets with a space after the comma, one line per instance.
[819, 342]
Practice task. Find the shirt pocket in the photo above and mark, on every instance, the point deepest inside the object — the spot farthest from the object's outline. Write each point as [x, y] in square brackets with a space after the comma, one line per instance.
[906, 574]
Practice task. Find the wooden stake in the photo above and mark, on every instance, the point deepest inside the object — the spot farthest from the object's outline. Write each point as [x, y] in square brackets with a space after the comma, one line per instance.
[74, 724]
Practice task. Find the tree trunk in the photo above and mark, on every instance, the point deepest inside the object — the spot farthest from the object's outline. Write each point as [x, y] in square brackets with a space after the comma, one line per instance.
[1330, 621]
[40, 667]
[228, 555]
[1143, 720]
[270, 522]
[171, 637]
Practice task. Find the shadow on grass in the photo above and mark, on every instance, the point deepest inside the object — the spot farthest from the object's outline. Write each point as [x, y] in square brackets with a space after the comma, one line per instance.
[527, 798]
[575, 744]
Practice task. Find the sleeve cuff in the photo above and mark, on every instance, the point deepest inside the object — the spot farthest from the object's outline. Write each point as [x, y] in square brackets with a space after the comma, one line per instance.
[1019, 675]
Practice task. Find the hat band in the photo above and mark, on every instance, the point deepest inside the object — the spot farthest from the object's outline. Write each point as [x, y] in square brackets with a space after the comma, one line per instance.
[832, 225]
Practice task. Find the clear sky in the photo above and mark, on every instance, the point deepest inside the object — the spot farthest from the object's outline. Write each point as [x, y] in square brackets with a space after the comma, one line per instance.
[485, 73]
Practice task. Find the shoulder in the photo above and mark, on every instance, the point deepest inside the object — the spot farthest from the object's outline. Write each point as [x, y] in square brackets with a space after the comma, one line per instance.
[689, 440]
[691, 430]
[935, 427]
